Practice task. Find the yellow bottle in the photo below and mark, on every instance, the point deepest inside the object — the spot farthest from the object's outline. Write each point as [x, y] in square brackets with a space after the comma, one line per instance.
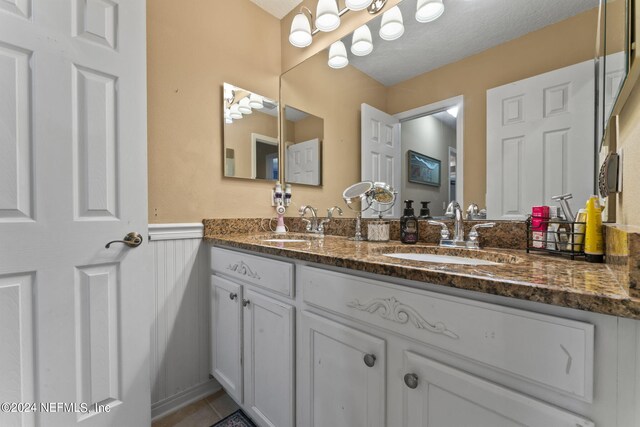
[593, 244]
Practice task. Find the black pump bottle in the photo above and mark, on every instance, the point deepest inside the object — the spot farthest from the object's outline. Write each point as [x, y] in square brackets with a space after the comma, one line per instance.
[408, 224]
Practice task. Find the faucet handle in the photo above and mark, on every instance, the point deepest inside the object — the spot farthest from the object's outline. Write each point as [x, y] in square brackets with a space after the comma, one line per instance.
[473, 234]
[444, 231]
[330, 211]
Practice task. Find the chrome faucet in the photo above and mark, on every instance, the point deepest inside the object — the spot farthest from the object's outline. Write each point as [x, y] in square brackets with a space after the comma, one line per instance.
[312, 224]
[329, 216]
[454, 211]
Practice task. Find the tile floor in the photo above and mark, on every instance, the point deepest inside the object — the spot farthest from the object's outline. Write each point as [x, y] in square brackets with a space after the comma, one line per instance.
[202, 413]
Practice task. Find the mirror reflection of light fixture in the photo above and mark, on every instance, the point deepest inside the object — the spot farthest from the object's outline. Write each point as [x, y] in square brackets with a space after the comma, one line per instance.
[234, 112]
[243, 105]
[300, 34]
[256, 101]
[327, 15]
[361, 43]
[392, 26]
[453, 111]
[429, 10]
[357, 4]
[338, 55]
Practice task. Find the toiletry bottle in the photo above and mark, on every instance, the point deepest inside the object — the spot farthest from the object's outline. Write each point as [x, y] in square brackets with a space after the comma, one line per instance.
[425, 213]
[593, 242]
[287, 194]
[539, 225]
[408, 224]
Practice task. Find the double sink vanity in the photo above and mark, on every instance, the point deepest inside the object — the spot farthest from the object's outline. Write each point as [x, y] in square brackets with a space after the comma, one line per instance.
[324, 331]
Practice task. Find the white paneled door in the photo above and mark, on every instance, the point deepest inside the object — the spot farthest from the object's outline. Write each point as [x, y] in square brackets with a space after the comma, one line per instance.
[74, 316]
[381, 152]
[540, 141]
[303, 162]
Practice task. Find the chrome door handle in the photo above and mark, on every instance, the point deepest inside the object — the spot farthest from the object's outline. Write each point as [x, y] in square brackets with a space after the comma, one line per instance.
[411, 380]
[133, 240]
[369, 360]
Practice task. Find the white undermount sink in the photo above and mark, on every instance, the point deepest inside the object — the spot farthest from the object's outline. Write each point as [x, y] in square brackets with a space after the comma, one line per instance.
[441, 259]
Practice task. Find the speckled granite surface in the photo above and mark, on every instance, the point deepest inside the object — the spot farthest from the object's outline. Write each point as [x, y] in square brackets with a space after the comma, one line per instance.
[622, 246]
[541, 278]
[506, 234]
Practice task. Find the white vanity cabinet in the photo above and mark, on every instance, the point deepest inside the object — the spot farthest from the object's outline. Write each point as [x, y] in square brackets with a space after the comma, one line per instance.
[252, 353]
[341, 376]
[437, 395]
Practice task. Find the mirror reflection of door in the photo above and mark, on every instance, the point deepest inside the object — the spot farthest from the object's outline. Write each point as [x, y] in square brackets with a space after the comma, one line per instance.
[303, 133]
[264, 157]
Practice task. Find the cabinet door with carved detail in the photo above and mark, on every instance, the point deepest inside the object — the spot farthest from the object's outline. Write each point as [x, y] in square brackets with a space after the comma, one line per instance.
[226, 335]
[437, 395]
[341, 375]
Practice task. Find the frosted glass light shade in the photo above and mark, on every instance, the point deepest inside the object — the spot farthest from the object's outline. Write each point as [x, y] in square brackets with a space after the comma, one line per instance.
[228, 120]
[300, 34]
[361, 43]
[392, 26]
[234, 112]
[429, 10]
[327, 15]
[256, 101]
[357, 4]
[338, 55]
[243, 106]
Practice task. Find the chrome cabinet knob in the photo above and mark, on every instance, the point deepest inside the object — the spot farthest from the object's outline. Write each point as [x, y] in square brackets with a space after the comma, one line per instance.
[233, 296]
[133, 240]
[411, 380]
[245, 302]
[369, 360]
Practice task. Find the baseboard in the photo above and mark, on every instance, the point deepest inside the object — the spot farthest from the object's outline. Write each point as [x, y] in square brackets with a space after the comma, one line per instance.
[180, 400]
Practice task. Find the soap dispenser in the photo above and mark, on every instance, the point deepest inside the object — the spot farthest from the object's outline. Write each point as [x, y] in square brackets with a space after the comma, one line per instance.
[408, 224]
[425, 213]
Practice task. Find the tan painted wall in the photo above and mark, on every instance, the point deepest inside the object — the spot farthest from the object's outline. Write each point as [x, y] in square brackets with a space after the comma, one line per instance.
[237, 136]
[628, 209]
[335, 96]
[559, 45]
[189, 56]
[308, 128]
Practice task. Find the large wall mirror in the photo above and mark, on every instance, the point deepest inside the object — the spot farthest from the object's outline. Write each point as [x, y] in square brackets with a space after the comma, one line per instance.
[495, 98]
[251, 147]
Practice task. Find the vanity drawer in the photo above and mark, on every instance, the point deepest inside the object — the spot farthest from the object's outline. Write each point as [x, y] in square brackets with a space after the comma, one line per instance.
[553, 352]
[267, 273]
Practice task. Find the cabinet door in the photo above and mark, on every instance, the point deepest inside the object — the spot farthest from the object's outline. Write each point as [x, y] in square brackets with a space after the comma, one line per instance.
[268, 360]
[226, 339]
[436, 395]
[342, 375]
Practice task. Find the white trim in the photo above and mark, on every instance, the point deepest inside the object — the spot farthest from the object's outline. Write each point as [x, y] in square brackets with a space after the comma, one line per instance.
[442, 106]
[176, 231]
[187, 397]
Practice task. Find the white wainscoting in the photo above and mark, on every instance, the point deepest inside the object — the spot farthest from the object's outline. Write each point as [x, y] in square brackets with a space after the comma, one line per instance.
[180, 331]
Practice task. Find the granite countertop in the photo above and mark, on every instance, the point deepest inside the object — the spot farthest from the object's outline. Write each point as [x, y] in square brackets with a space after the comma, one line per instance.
[598, 288]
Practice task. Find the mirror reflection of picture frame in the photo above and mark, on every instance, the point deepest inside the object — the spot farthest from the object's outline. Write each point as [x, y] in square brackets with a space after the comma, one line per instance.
[423, 169]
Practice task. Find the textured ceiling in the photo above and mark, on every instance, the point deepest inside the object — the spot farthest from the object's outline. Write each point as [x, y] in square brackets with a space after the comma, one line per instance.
[467, 27]
[278, 8]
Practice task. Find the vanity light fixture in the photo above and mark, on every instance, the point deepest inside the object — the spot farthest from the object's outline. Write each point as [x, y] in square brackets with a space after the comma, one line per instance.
[256, 101]
[300, 34]
[392, 26]
[429, 10]
[327, 15]
[327, 18]
[243, 105]
[357, 4]
[234, 112]
[361, 43]
[338, 55]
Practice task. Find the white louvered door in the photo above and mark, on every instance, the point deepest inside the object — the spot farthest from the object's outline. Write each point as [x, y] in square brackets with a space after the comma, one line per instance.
[540, 141]
[74, 316]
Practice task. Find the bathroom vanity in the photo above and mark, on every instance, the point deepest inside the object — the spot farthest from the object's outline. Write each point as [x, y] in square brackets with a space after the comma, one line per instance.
[331, 332]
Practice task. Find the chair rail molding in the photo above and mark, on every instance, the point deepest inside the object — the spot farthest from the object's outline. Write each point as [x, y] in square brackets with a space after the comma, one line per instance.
[176, 231]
